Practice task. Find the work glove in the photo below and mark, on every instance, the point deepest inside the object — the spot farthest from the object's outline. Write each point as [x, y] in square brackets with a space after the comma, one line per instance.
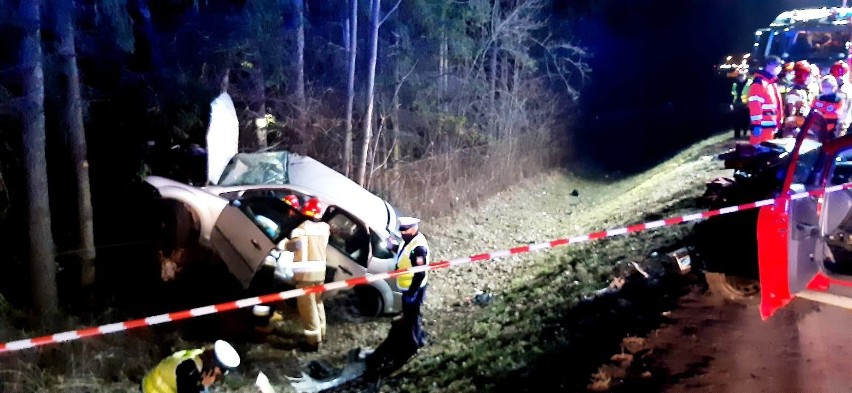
[756, 131]
[284, 273]
[271, 260]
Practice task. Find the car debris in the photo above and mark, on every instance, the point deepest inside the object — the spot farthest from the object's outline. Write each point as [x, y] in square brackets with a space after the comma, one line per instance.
[681, 259]
[482, 298]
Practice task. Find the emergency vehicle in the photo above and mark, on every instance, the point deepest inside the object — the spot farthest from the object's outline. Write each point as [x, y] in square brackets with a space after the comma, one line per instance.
[819, 35]
[804, 241]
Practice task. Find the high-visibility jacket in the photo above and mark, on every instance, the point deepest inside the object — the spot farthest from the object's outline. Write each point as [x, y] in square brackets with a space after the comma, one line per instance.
[831, 107]
[309, 258]
[163, 378]
[845, 118]
[739, 92]
[403, 261]
[764, 107]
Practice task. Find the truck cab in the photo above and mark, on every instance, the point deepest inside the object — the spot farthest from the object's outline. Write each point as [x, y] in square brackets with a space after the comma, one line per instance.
[819, 35]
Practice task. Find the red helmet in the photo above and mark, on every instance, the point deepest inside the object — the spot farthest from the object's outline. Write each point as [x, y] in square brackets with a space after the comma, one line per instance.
[313, 208]
[801, 72]
[292, 200]
[839, 69]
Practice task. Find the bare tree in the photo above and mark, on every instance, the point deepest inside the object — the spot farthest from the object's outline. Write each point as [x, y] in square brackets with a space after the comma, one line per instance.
[371, 79]
[42, 267]
[375, 23]
[351, 51]
[72, 118]
[300, 63]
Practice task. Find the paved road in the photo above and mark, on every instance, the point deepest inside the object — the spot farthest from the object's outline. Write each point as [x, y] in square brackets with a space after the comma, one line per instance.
[713, 347]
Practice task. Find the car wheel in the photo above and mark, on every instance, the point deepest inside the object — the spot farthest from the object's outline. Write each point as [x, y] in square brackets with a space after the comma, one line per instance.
[733, 288]
[370, 302]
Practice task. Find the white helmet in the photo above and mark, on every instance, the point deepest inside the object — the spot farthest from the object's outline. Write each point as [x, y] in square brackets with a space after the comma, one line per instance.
[226, 356]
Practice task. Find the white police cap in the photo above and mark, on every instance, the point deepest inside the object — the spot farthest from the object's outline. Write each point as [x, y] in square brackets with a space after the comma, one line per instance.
[226, 355]
[407, 222]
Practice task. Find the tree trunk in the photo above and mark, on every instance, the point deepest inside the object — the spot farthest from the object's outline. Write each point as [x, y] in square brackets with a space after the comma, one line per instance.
[395, 118]
[259, 97]
[42, 266]
[352, 47]
[371, 79]
[495, 117]
[300, 64]
[443, 69]
[73, 122]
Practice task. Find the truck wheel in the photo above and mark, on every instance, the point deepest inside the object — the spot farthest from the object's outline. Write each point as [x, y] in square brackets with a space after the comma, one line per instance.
[733, 288]
[370, 302]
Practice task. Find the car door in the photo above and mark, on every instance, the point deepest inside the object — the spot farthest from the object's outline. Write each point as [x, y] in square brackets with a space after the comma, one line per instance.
[803, 241]
[241, 244]
[349, 251]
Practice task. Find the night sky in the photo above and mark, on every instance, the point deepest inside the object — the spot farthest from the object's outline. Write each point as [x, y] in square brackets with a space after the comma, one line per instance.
[653, 87]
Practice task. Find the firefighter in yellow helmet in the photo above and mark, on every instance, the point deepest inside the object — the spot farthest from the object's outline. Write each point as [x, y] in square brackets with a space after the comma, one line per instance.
[191, 370]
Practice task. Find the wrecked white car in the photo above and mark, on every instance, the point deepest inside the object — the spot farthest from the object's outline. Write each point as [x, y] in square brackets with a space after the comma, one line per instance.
[244, 216]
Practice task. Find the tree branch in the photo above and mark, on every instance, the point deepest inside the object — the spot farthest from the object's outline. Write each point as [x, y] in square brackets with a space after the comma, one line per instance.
[392, 10]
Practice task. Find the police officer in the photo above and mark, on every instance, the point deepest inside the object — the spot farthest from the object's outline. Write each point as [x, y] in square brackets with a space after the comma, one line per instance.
[414, 252]
[739, 99]
[764, 102]
[191, 370]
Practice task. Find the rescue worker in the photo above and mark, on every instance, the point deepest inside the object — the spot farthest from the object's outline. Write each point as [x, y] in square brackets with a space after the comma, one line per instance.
[308, 244]
[840, 71]
[816, 76]
[830, 105]
[739, 101]
[292, 200]
[764, 102]
[785, 77]
[413, 252]
[191, 370]
[798, 100]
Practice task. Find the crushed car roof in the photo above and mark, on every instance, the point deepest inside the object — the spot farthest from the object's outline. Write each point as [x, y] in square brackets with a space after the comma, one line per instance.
[250, 170]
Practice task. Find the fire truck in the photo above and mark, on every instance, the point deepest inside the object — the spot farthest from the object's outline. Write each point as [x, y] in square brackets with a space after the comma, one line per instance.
[819, 35]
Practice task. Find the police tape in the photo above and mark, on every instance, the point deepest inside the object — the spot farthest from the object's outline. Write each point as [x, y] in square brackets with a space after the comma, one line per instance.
[73, 335]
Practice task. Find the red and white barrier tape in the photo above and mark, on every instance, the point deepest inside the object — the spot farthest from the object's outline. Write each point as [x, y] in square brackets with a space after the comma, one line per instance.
[253, 301]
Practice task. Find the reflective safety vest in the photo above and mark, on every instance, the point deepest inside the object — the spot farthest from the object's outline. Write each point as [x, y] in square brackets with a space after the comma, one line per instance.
[830, 106]
[739, 92]
[403, 261]
[764, 107]
[163, 379]
[309, 257]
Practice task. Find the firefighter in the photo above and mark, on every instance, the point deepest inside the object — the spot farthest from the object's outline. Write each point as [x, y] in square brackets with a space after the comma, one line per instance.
[764, 102]
[797, 101]
[739, 101]
[307, 243]
[830, 104]
[785, 77]
[840, 71]
[816, 76]
[191, 370]
[292, 200]
[414, 252]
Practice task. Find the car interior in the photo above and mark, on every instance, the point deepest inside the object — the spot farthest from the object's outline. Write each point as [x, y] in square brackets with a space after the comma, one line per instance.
[837, 224]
